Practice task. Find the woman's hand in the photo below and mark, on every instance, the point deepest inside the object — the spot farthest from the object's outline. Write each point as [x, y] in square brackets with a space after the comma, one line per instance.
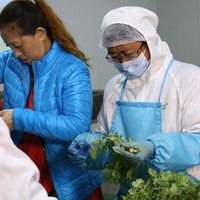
[7, 116]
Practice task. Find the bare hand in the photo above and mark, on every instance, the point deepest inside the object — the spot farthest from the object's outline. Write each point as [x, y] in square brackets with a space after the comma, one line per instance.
[7, 116]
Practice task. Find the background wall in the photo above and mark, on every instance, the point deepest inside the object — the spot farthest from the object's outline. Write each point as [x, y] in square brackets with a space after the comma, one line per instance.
[83, 20]
[2, 4]
[179, 27]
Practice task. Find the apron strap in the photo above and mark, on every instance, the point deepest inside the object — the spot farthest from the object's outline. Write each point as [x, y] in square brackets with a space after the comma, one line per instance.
[164, 79]
[124, 85]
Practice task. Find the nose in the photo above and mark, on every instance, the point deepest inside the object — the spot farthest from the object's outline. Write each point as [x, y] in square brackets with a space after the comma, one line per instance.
[17, 52]
[121, 60]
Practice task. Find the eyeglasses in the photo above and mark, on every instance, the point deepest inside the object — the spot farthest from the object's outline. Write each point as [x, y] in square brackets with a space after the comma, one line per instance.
[126, 57]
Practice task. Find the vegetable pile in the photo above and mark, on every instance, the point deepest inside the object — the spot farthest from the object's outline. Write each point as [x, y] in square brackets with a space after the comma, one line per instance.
[164, 186]
[118, 168]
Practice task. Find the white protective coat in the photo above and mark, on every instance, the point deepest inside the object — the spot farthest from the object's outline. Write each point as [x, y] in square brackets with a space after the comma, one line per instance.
[182, 87]
[19, 176]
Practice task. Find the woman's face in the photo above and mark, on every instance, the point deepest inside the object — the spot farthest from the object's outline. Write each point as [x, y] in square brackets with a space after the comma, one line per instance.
[27, 47]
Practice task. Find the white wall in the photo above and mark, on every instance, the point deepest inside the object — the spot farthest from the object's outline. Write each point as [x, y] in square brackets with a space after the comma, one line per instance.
[180, 27]
[83, 20]
[2, 4]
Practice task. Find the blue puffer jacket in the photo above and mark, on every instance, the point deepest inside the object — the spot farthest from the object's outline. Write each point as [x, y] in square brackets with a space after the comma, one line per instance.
[62, 110]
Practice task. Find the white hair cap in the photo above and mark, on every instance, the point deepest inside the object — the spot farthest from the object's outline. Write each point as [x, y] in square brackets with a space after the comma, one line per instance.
[118, 34]
[142, 21]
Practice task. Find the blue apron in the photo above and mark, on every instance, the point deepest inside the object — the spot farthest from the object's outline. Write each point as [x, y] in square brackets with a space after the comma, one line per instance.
[138, 120]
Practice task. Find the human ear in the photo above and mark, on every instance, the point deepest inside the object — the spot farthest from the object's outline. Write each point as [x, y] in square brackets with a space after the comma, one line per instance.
[41, 33]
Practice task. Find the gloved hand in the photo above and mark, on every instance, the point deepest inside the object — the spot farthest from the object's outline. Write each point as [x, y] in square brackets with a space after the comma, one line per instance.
[78, 153]
[146, 150]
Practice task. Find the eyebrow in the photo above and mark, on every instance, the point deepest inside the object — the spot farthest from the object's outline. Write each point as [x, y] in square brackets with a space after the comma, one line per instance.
[112, 52]
[13, 43]
[126, 49]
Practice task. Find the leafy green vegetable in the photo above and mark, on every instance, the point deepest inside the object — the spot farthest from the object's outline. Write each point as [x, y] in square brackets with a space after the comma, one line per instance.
[118, 168]
[164, 186]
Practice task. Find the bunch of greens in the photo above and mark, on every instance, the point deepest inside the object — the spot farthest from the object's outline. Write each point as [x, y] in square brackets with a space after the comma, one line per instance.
[164, 186]
[118, 168]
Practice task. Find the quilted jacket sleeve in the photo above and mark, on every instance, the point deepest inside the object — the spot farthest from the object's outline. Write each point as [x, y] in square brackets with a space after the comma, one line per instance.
[75, 114]
[3, 60]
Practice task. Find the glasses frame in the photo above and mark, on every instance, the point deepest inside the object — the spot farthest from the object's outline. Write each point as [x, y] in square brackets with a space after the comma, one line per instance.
[125, 57]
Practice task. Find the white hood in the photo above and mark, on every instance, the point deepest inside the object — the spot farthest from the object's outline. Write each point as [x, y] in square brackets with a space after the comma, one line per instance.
[146, 22]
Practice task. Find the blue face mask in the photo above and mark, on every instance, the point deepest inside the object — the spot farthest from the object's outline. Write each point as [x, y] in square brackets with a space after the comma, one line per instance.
[133, 68]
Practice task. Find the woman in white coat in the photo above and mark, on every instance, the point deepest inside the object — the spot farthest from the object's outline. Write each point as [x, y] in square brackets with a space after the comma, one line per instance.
[154, 100]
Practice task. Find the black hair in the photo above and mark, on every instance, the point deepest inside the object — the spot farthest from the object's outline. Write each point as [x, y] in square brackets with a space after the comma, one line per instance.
[25, 16]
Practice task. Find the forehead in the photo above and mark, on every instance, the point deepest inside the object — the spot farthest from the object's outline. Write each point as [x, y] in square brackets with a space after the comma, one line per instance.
[10, 34]
[124, 47]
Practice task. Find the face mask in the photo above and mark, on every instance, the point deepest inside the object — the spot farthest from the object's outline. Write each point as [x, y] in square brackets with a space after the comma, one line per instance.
[133, 68]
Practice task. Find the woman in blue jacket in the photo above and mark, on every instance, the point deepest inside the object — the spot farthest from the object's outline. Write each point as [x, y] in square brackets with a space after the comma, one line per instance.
[47, 96]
